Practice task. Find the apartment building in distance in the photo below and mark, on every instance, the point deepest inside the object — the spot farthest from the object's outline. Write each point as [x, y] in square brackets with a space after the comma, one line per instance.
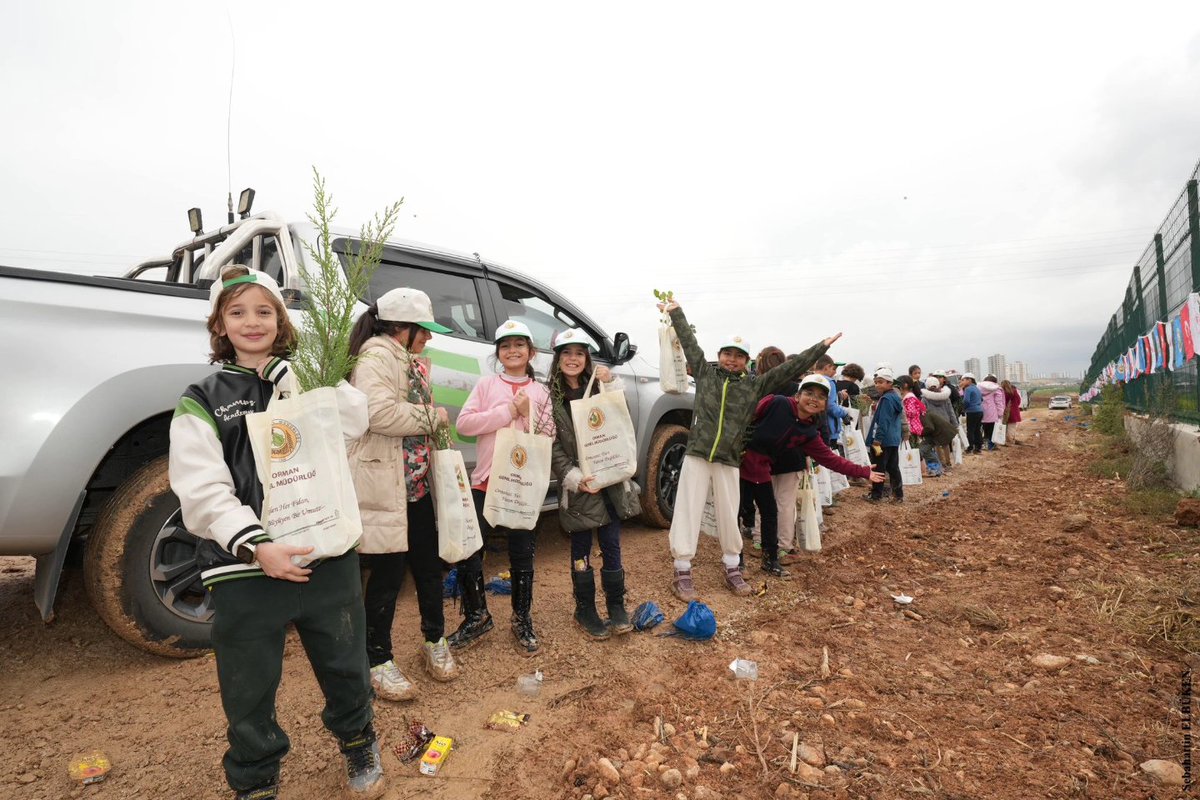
[998, 366]
[971, 365]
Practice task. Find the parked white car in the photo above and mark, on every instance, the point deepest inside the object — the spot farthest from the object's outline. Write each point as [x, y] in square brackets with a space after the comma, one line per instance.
[1060, 402]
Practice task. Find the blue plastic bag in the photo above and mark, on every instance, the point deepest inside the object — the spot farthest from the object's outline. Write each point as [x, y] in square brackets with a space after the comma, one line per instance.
[697, 622]
[498, 585]
[450, 586]
[647, 615]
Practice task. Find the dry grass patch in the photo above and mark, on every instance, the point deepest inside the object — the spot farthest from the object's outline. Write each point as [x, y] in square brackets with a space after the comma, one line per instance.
[1162, 609]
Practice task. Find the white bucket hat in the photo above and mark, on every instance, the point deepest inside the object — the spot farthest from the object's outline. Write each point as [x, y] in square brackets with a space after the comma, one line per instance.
[511, 327]
[260, 278]
[409, 305]
[573, 336]
[736, 343]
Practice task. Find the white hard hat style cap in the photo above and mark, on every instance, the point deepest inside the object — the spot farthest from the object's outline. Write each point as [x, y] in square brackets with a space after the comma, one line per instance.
[735, 343]
[511, 327]
[885, 373]
[409, 305]
[970, 375]
[260, 278]
[815, 380]
[573, 336]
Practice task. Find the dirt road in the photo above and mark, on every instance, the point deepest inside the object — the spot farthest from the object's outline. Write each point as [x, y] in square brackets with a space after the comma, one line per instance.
[1015, 556]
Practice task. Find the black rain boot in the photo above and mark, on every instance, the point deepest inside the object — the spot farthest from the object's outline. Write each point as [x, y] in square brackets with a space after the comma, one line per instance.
[586, 617]
[613, 581]
[522, 623]
[477, 620]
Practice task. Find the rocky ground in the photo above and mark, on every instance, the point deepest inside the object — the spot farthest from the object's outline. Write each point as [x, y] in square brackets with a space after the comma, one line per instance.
[1026, 666]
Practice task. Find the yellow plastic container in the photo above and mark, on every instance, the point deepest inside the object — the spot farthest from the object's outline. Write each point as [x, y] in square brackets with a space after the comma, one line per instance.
[436, 755]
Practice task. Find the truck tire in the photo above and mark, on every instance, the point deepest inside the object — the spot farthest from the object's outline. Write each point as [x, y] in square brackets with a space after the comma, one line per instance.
[140, 568]
[663, 462]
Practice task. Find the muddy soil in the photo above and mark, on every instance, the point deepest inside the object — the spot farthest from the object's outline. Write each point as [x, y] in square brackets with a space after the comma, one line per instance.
[1006, 560]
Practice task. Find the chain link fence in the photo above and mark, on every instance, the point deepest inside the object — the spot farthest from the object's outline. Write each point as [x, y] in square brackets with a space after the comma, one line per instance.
[1165, 274]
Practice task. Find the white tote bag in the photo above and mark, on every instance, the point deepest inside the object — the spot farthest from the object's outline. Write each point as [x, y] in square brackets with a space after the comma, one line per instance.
[604, 436]
[910, 466]
[808, 525]
[838, 482]
[856, 447]
[519, 479]
[962, 437]
[672, 364]
[824, 485]
[453, 507]
[999, 434]
[308, 492]
[956, 451]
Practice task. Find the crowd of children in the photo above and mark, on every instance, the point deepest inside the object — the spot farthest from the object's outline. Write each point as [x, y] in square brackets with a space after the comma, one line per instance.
[755, 431]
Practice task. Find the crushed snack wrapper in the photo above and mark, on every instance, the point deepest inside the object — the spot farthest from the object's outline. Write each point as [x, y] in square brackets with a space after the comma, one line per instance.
[414, 742]
[91, 768]
[506, 721]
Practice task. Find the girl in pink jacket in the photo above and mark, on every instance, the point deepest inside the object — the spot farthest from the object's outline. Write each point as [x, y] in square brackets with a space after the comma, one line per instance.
[496, 402]
[993, 407]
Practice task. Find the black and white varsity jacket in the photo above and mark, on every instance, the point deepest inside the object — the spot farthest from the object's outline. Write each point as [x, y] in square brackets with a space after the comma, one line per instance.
[212, 468]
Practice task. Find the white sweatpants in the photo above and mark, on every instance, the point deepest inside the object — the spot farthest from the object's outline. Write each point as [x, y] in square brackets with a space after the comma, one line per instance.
[694, 478]
[785, 487]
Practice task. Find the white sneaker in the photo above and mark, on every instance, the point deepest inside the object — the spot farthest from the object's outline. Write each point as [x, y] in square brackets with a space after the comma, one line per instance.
[439, 661]
[390, 684]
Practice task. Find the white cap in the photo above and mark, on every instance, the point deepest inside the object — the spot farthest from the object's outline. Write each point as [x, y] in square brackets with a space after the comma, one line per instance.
[511, 327]
[970, 375]
[261, 278]
[885, 373]
[815, 380]
[932, 382]
[938, 373]
[409, 305]
[736, 342]
[573, 336]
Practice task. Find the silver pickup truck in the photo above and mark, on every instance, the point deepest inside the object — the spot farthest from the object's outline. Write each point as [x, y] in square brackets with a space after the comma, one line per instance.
[95, 365]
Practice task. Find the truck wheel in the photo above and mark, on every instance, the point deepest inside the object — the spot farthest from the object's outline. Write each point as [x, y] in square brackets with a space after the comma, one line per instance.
[663, 462]
[140, 568]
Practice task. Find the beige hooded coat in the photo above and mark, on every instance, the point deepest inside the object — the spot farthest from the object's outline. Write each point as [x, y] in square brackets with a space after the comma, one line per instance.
[377, 459]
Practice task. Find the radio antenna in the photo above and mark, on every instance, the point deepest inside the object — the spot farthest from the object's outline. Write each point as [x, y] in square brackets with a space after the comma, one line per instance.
[229, 119]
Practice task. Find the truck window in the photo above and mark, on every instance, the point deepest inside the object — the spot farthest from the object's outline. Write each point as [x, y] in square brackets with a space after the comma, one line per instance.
[455, 300]
[545, 320]
[269, 260]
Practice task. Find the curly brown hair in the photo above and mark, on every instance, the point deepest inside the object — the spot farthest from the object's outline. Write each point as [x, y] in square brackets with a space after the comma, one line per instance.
[222, 348]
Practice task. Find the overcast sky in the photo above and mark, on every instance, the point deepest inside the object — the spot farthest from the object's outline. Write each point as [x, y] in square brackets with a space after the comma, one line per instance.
[937, 180]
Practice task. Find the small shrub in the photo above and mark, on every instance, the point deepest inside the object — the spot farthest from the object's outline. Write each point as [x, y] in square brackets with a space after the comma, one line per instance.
[1110, 412]
[1114, 458]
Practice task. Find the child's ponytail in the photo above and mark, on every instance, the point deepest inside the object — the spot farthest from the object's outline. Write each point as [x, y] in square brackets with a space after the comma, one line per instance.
[364, 329]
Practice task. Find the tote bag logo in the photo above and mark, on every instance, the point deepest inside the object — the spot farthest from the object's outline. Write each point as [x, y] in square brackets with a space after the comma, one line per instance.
[519, 457]
[595, 419]
[285, 440]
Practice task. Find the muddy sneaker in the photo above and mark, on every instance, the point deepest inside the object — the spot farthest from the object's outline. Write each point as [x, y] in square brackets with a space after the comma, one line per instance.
[268, 792]
[791, 558]
[736, 583]
[771, 567]
[681, 585]
[364, 768]
[390, 684]
[439, 661]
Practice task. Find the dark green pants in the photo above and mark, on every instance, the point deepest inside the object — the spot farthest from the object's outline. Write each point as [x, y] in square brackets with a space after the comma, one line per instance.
[249, 627]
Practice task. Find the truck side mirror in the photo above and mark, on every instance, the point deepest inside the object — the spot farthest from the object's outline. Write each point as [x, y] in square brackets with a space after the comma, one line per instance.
[622, 349]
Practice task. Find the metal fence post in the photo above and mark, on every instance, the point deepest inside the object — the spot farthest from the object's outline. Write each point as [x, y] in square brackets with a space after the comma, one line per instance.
[1193, 211]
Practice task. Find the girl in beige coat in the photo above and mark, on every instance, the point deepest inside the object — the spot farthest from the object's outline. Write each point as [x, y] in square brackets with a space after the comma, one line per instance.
[390, 465]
